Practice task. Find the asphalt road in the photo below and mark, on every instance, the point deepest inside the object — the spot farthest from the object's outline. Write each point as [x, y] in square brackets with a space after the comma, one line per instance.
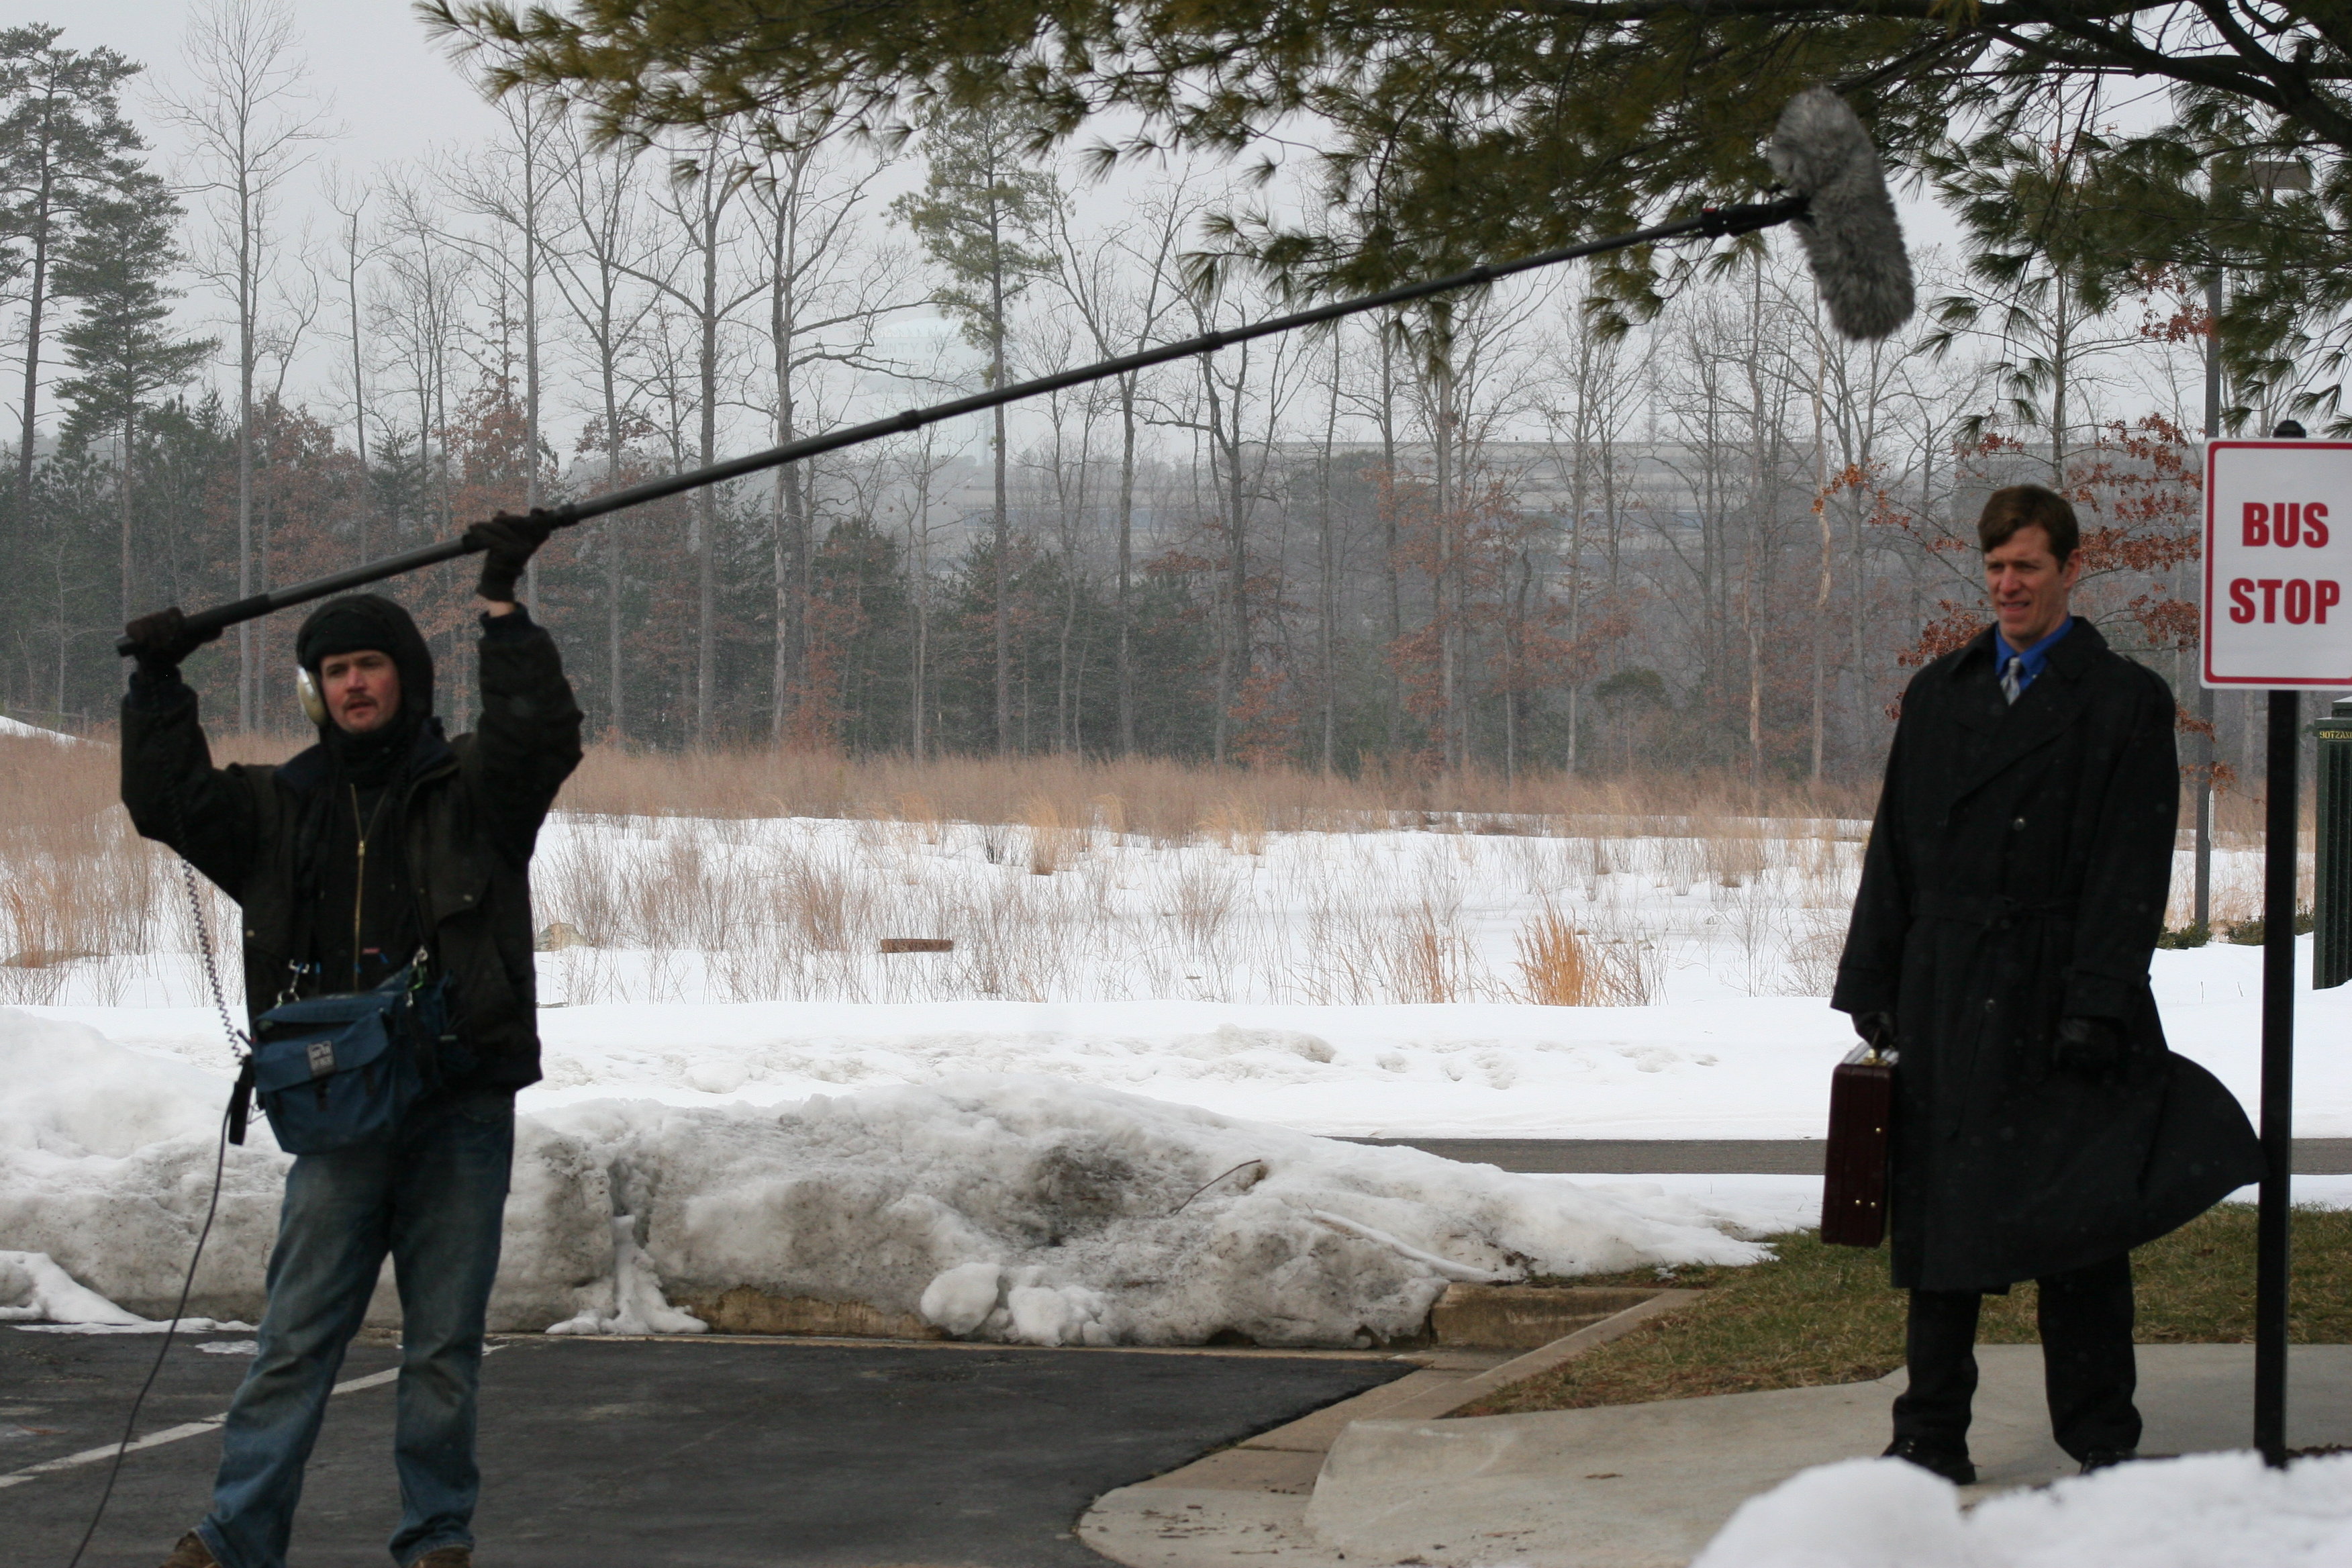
[1723, 1156]
[712, 1453]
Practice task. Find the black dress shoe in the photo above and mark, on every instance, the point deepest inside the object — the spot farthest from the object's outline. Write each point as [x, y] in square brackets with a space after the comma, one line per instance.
[2107, 1458]
[1936, 1458]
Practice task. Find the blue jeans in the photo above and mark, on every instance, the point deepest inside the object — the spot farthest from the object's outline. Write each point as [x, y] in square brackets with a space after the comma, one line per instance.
[431, 1195]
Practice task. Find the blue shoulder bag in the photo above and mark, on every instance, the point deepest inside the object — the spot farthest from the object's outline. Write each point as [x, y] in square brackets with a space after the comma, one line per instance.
[332, 1072]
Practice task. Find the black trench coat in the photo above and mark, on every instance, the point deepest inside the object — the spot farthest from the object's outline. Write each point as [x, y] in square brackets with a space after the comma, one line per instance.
[2016, 876]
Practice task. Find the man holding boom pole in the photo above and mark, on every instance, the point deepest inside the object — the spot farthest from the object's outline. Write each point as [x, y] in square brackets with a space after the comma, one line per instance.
[386, 848]
[438, 920]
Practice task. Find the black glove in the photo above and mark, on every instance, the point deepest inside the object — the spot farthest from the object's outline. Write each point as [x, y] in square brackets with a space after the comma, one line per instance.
[1877, 1031]
[507, 542]
[163, 639]
[2094, 1048]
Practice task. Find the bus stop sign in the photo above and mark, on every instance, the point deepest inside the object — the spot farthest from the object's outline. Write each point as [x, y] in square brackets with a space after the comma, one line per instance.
[2278, 564]
[2278, 554]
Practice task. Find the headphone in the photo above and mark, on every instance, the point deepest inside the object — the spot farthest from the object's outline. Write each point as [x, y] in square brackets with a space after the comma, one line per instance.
[306, 686]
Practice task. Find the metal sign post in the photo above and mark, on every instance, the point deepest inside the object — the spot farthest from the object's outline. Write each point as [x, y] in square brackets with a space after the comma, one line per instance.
[2277, 562]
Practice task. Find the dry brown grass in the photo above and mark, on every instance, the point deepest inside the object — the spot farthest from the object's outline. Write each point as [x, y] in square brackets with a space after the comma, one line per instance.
[76, 882]
[1428, 958]
[1605, 962]
[1054, 841]
[1552, 968]
[1169, 801]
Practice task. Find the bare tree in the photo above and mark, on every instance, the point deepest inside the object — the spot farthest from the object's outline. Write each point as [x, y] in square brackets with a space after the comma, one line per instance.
[355, 245]
[512, 184]
[1242, 396]
[1601, 377]
[824, 293]
[702, 283]
[1123, 285]
[921, 458]
[418, 314]
[1065, 471]
[598, 267]
[1473, 373]
[1372, 392]
[249, 122]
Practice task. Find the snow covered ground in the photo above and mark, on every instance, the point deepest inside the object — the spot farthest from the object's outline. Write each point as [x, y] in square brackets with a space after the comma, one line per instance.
[2211, 1511]
[25, 732]
[1352, 983]
[718, 1018]
[1705, 1067]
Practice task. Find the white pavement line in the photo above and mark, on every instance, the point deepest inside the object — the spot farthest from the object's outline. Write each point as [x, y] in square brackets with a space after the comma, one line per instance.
[168, 1434]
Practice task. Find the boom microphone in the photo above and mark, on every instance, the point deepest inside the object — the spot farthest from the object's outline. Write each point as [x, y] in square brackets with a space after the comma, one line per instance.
[1849, 231]
[1820, 151]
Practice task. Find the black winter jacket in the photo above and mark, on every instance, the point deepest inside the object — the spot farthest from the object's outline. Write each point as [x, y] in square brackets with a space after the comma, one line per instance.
[468, 813]
[2016, 876]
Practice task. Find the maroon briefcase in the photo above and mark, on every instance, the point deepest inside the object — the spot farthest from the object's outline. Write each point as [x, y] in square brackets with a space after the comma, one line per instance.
[1854, 1192]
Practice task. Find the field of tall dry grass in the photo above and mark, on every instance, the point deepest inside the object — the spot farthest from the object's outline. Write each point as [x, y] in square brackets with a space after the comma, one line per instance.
[1168, 803]
[678, 861]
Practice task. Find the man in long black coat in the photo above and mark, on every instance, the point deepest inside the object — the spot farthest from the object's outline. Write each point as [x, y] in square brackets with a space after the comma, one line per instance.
[2011, 895]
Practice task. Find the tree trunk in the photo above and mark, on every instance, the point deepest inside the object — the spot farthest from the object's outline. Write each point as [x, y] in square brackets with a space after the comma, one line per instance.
[530, 391]
[919, 556]
[608, 532]
[1125, 555]
[791, 543]
[1822, 511]
[130, 429]
[359, 382]
[999, 533]
[706, 642]
[1447, 596]
[1238, 569]
[248, 288]
[1389, 571]
[1327, 607]
[37, 228]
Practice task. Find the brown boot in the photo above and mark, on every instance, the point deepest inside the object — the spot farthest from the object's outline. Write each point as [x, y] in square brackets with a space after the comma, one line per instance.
[447, 1557]
[192, 1552]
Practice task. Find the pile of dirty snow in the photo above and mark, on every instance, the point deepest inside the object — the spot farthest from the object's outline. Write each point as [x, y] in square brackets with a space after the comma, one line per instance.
[106, 1162]
[2211, 1511]
[34, 1288]
[1047, 1212]
[1000, 1207]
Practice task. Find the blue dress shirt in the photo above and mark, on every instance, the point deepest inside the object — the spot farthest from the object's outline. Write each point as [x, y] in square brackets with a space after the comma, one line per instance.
[2035, 657]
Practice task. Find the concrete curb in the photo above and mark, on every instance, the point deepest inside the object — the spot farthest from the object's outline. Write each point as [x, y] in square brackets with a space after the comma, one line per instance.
[1250, 1501]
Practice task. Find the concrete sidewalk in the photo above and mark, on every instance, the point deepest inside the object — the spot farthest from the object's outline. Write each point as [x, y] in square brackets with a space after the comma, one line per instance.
[1642, 1485]
[1718, 1156]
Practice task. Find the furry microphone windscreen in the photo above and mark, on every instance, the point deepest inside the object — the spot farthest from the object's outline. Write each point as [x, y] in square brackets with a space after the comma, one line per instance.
[1821, 152]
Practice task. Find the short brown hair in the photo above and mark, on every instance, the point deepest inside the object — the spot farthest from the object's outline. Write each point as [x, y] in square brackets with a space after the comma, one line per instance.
[2029, 506]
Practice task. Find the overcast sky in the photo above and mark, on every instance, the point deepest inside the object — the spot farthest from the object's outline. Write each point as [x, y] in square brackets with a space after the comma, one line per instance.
[390, 91]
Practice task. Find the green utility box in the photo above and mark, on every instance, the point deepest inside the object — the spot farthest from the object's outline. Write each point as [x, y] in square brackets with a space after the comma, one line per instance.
[2331, 947]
